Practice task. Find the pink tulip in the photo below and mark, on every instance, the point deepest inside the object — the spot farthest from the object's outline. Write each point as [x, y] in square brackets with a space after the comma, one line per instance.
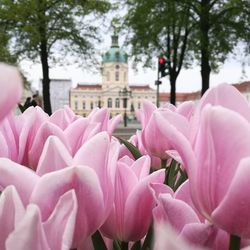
[183, 219]
[221, 177]
[131, 215]
[22, 229]
[166, 238]
[11, 89]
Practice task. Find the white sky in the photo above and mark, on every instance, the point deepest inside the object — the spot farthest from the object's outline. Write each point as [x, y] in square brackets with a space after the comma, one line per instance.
[188, 80]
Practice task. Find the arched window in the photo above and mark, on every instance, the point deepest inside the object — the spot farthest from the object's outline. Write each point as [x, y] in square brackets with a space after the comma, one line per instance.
[110, 103]
[117, 76]
[117, 103]
[91, 105]
[83, 105]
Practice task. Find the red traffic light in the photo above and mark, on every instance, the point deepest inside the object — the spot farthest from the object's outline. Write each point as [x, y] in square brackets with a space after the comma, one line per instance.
[162, 60]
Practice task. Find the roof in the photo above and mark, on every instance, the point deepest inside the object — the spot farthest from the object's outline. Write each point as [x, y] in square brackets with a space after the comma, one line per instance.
[88, 86]
[115, 53]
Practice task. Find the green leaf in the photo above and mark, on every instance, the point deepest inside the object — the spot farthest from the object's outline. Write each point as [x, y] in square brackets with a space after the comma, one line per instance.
[148, 240]
[116, 245]
[136, 246]
[132, 149]
[98, 242]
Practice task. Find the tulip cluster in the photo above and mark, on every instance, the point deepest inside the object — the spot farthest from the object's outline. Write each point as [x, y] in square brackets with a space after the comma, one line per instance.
[181, 182]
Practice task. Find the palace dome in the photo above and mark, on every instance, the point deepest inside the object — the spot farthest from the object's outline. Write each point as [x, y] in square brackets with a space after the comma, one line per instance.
[115, 53]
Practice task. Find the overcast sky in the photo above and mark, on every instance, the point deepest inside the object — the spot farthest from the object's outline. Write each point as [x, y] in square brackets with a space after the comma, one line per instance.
[188, 80]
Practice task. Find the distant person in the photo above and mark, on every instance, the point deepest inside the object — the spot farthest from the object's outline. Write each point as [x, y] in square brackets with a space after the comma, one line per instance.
[34, 102]
[27, 103]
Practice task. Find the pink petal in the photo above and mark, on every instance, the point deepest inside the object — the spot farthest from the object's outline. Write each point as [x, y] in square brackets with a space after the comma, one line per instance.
[236, 203]
[43, 133]
[11, 212]
[167, 239]
[11, 86]
[141, 167]
[62, 117]
[177, 212]
[21, 177]
[176, 140]
[54, 156]
[89, 195]
[27, 126]
[216, 141]
[59, 228]
[139, 205]
[75, 133]
[113, 123]
[29, 233]
[124, 184]
[148, 109]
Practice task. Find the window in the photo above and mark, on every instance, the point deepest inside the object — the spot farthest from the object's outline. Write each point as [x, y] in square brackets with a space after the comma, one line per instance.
[117, 103]
[139, 105]
[109, 103]
[91, 105]
[117, 76]
[76, 105]
[83, 105]
[117, 66]
[108, 76]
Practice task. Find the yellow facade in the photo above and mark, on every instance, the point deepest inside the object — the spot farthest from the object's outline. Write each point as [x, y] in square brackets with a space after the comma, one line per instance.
[110, 92]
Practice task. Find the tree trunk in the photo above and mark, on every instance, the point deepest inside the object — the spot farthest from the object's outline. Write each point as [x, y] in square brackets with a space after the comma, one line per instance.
[173, 89]
[46, 79]
[44, 55]
[205, 57]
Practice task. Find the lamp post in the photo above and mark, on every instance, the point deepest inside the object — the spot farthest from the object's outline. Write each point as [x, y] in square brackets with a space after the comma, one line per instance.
[125, 94]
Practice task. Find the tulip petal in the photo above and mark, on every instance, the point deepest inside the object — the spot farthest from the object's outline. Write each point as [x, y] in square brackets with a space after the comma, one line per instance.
[11, 86]
[139, 205]
[11, 212]
[89, 195]
[43, 133]
[59, 228]
[177, 140]
[177, 212]
[216, 141]
[21, 177]
[54, 156]
[236, 203]
[29, 233]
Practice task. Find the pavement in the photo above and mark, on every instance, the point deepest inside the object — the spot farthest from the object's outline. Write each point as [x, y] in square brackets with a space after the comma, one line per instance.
[127, 132]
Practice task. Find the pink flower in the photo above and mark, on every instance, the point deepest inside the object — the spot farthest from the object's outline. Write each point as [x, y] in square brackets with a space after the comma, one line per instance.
[91, 175]
[184, 220]
[131, 215]
[11, 89]
[24, 229]
[220, 180]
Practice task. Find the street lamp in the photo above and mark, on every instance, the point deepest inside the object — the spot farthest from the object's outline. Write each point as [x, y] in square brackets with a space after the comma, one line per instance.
[125, 94]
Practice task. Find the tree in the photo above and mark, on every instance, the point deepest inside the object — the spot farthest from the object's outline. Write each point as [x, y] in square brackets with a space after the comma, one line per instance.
[217, 30]
[43, 29]
[160, 28]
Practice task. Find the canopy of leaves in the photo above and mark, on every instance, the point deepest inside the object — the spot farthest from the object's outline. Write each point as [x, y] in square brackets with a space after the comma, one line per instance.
[66, 26]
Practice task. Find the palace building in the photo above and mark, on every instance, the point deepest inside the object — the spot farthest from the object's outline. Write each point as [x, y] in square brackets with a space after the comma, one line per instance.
[114, 92]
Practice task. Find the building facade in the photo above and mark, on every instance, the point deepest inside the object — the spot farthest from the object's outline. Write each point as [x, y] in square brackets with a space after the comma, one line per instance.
[59, 92]
[114, 92]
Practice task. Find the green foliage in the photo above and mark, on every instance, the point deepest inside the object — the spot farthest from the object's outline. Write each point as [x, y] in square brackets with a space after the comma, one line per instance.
[44, 29]
[66, 26]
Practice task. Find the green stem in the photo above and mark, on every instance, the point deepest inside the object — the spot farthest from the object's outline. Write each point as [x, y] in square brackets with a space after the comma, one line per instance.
[234, 243]
[163, 163]
[124, 245]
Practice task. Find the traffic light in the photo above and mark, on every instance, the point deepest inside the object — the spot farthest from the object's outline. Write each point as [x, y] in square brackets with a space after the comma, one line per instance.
[162, 66]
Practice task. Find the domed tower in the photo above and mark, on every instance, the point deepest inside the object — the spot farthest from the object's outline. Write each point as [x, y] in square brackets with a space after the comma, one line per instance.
[114, 66]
